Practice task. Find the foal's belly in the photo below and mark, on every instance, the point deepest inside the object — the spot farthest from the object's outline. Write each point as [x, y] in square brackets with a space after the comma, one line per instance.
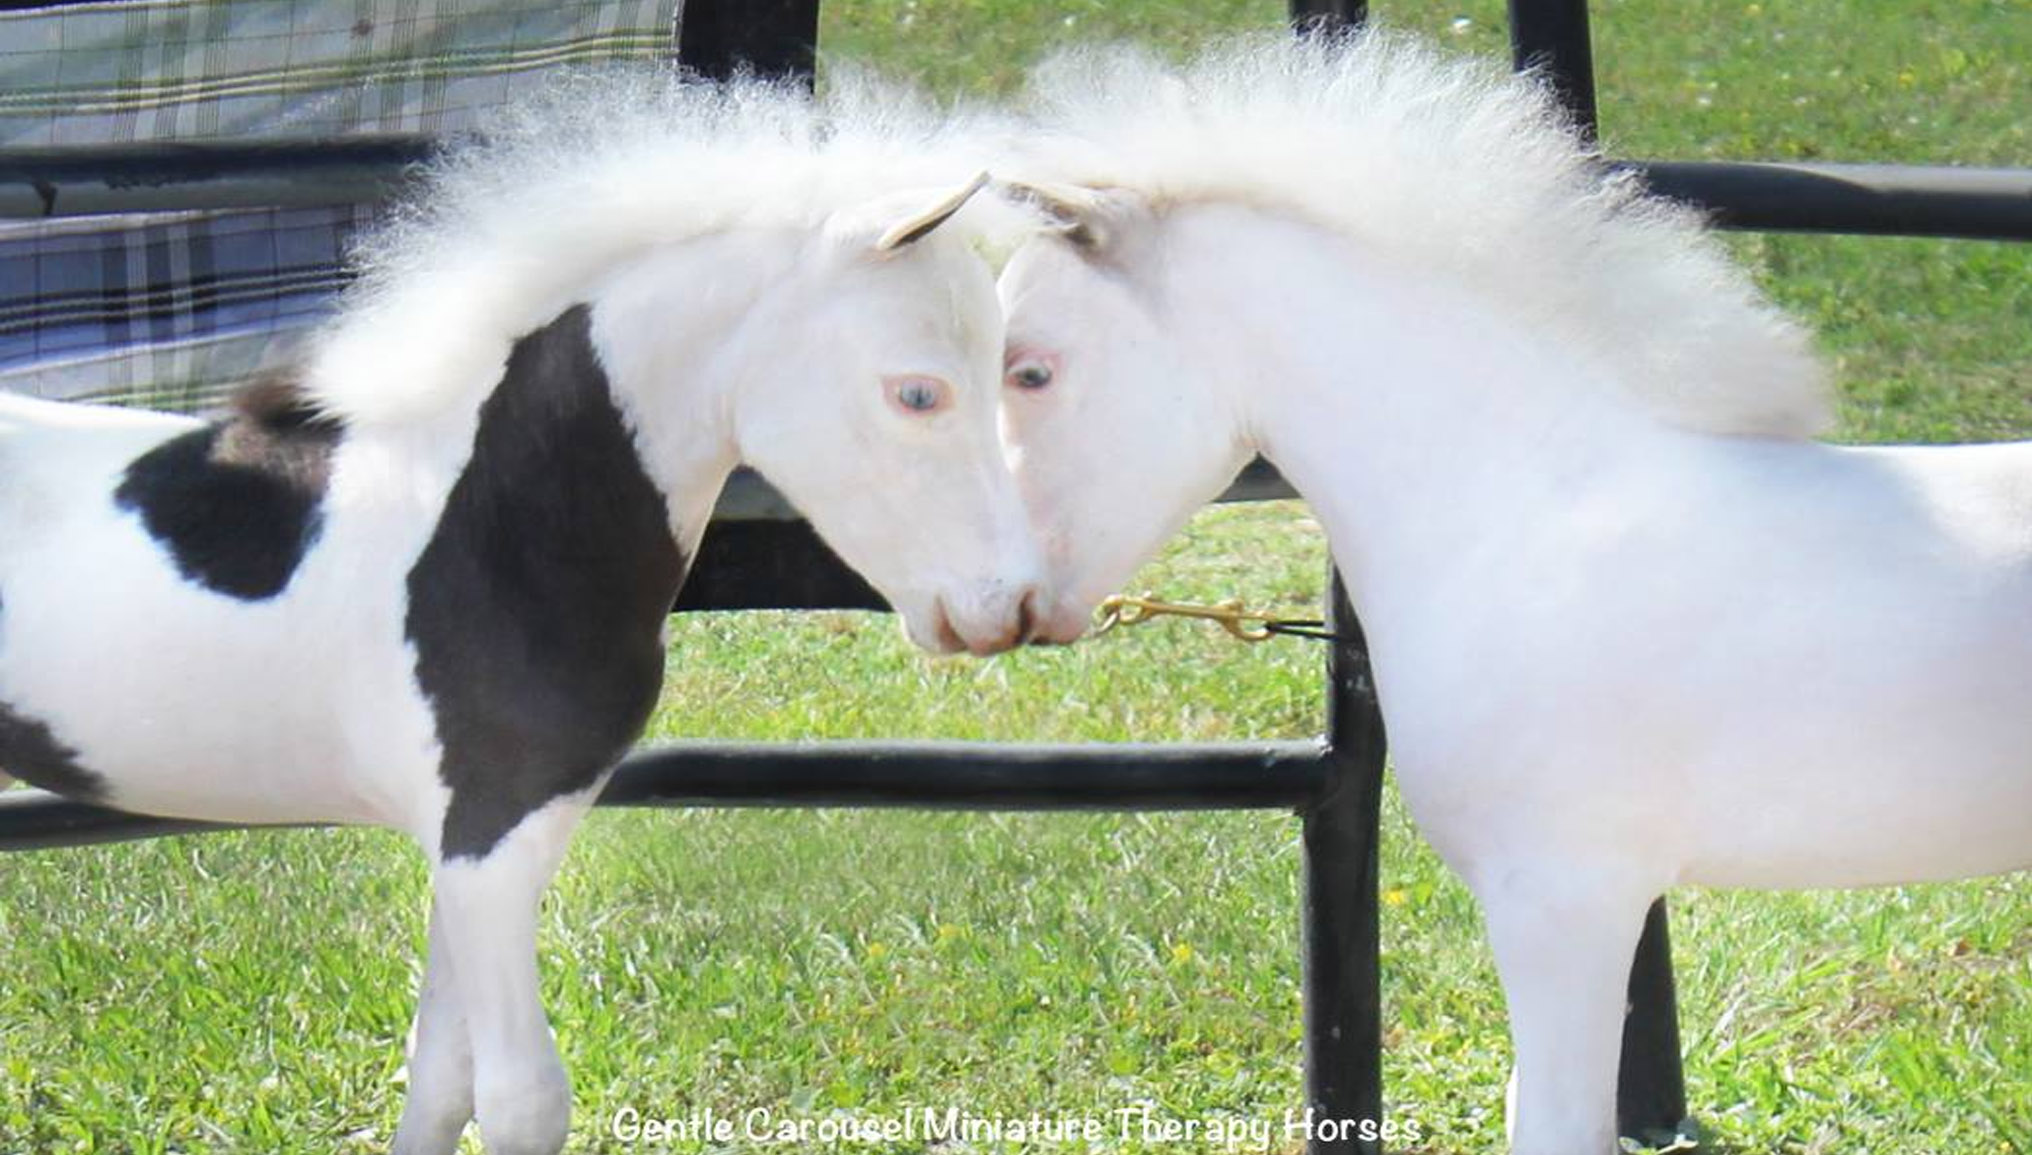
[1890, 796]
[1887, 793]
[1895, 748]
[168, 698]
[1847, 749]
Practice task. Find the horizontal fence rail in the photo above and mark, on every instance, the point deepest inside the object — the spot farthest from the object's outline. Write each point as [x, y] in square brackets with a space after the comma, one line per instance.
[748, 497]
[1880, 199]
[917, 775]
[1870, 199]
[179, 177]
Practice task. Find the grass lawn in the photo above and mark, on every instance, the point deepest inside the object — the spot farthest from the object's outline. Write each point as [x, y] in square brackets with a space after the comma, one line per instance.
[250, 992]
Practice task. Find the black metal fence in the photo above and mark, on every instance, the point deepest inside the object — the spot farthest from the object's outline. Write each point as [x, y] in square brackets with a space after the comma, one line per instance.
[757, 555]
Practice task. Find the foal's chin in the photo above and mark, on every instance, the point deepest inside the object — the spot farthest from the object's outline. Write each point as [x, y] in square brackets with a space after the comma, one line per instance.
[936, 633]
[941, 641]
[1065, 624]
[933, 633]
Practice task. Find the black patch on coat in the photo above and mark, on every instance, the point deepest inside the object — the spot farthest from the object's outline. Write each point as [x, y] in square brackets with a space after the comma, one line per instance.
[33, 755]
[29, 751]
[537, 608]
[238, 504]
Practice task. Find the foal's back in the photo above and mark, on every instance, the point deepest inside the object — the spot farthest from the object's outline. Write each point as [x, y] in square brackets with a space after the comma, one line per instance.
[61, 461]
[171, 639]
[1853, 672]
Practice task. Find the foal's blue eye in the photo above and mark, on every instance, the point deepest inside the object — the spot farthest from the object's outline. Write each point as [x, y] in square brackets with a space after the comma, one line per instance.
[918, 394]
[1029, 369]
[1031, 377]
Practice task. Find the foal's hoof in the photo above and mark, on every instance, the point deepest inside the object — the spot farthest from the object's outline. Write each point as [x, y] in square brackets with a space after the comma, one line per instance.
[525, 1119]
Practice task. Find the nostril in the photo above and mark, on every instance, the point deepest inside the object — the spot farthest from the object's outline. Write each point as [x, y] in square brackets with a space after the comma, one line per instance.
[948, 638]
[1026, 617]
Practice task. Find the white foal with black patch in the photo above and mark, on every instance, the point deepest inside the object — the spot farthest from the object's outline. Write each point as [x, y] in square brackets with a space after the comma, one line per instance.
[422, 584]
[1632, 626]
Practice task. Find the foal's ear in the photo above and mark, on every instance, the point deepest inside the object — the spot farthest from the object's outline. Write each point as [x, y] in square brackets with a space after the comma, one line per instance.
[888, 224]
[1084, 216]
[915, 227]
[902, 221]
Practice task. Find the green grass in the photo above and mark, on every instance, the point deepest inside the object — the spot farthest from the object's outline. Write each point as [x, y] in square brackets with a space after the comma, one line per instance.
[250, 992]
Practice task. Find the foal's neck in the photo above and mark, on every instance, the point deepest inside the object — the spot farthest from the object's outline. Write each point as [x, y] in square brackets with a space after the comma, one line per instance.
[674, 331]
[535, 608]
[1410, 413]
[597, 457]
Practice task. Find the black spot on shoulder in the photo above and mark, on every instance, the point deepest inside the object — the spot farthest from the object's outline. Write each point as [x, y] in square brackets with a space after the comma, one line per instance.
[537, 607]
[238, 504]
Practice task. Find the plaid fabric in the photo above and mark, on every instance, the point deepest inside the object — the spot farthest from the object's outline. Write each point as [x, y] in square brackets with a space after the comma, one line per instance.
[172, 310]
[168, 311]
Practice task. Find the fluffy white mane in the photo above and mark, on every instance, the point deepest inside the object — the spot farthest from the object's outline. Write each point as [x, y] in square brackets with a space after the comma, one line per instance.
[1451, 164]
[503, 234]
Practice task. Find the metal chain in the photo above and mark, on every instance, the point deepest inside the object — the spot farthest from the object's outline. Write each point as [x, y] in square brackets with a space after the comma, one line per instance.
[1242, 624]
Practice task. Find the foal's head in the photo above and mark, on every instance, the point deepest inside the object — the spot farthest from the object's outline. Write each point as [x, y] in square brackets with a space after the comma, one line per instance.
[875, 413]
[1113, 422]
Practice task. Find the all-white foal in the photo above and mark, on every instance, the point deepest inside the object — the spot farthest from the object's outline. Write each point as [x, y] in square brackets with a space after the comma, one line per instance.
[1631, 626]
[422, 585]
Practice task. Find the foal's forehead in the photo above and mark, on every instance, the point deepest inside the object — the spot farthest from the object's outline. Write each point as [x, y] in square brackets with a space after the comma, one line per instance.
[1040, 274]
[934, 306]
[947, 277]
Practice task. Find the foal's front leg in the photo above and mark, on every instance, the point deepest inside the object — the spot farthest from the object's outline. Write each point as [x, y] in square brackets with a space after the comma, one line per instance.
[1564, 938]
[440, 1101]
[487, 910]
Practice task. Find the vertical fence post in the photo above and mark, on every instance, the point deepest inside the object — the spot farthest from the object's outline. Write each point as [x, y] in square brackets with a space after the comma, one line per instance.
[1651, 1084]
[1552, 36]
[717, 38]
[1342, 943]
[1308, 15]
[1343, 992]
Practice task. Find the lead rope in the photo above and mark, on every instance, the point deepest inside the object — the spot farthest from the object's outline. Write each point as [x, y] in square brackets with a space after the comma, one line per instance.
[1242, 624]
